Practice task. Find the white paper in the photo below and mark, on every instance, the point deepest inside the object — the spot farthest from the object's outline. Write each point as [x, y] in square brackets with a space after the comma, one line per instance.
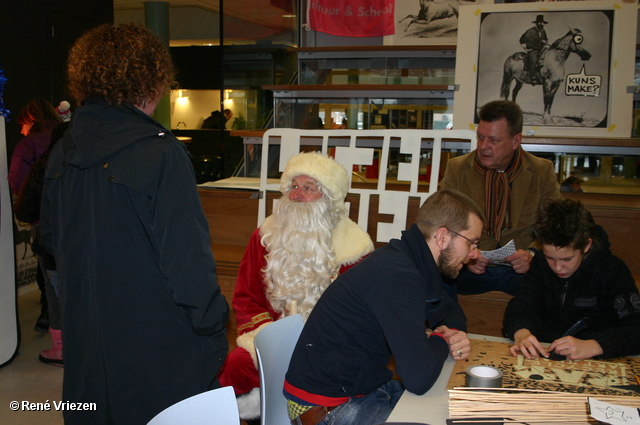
[497, 256]
[614, 414]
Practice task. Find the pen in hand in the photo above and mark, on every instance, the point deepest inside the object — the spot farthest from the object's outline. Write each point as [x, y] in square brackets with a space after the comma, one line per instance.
[579, 326]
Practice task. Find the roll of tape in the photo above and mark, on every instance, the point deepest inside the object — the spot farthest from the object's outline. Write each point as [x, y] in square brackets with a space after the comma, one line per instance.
[483, 377]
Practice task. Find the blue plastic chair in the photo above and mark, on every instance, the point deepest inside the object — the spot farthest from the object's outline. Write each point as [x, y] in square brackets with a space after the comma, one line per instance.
[274, 346]
[215, 407]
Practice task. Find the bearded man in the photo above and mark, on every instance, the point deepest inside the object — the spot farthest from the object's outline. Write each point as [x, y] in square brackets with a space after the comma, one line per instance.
[381, 308]
[290, 260]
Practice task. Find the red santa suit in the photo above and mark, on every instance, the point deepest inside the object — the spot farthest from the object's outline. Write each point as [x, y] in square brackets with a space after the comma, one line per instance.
[254, 311]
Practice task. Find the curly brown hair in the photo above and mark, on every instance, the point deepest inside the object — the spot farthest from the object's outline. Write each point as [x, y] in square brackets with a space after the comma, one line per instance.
[37, 112]
[119, 63]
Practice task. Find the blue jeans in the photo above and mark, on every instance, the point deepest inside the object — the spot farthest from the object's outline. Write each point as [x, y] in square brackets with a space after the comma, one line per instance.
[370, 409]
[495, 278]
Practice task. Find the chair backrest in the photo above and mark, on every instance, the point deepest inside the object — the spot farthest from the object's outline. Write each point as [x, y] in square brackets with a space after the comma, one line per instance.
[274, 346]
[207, 168]
[360, 148]
[215, 407]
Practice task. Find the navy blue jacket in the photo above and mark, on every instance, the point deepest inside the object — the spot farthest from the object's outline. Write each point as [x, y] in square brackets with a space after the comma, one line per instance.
[143, 318]
[377, 309]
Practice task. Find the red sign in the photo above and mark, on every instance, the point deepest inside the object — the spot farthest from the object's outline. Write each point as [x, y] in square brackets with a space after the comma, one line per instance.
[355, 18]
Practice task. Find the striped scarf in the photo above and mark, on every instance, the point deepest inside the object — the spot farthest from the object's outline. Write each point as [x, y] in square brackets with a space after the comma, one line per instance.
[497, 194]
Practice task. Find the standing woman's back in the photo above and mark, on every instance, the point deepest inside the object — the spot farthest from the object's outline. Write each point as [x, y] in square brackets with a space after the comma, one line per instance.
[143, 316]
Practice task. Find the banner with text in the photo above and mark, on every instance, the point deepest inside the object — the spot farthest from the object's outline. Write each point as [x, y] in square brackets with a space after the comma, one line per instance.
[354, 18]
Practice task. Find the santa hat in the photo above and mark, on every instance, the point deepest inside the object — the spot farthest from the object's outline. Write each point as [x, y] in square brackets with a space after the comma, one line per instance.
[332, 176]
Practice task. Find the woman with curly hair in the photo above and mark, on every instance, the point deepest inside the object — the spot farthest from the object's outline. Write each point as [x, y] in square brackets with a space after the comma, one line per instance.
[143, 316]
[574, 278]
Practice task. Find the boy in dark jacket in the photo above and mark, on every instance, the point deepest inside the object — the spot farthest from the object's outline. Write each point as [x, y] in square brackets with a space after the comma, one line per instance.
[575, 277]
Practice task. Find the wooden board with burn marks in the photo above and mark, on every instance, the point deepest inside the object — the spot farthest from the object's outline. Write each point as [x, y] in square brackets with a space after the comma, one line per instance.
[584, 376]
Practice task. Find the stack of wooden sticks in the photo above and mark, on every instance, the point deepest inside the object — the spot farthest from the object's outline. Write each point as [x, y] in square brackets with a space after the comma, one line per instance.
[514, 406]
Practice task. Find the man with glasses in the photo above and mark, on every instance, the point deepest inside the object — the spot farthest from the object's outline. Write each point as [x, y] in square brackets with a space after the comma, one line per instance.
[380, 308]
[508, 183]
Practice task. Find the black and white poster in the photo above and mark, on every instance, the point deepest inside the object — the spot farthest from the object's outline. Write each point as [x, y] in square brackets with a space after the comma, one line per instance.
[427, 22]
[566, 64]
[567, 81]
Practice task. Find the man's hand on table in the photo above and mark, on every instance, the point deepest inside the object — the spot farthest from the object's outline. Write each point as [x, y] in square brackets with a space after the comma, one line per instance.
[528, 345]
[459, 345]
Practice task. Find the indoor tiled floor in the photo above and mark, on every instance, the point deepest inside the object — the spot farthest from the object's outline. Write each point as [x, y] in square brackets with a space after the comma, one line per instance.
[26, 378]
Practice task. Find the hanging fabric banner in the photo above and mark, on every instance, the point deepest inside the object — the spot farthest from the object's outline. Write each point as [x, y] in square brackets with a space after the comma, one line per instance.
[354, 18]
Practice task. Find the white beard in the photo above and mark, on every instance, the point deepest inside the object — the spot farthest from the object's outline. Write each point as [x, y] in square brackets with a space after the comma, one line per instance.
[300, 260]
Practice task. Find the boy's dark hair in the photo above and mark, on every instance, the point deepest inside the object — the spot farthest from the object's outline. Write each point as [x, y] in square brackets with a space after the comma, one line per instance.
[565, 223]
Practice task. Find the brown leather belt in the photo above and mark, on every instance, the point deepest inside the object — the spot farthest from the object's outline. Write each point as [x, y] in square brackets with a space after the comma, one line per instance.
[313, 416]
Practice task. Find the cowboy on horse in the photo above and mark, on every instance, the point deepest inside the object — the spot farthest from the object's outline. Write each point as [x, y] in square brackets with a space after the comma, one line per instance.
[533, 41]
[550, 70]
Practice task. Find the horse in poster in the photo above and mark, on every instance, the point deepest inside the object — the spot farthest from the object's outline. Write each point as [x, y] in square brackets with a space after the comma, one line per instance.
[551, 69]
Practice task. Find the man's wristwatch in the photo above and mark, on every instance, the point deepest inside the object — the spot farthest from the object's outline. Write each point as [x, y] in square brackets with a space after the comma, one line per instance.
[532, 252]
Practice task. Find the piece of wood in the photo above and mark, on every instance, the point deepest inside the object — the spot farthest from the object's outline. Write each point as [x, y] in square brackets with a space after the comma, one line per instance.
[491, 405]
[227, 285]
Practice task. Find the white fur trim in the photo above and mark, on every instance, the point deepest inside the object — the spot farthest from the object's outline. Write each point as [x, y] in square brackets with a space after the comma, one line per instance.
[249, 404]
[246, 341]
[350, 242]
[331, 175]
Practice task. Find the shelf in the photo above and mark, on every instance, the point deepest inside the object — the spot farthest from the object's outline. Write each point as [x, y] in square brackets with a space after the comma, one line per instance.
[372, 48]
[341, 91]
[600, 146]
[360, 87]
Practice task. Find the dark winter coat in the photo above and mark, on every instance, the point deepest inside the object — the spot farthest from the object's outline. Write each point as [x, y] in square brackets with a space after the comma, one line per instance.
[143, 316]
[602, 289]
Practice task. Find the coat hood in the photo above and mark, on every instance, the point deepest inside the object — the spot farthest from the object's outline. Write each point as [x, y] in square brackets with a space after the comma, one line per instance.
[599, 250]
[99, 130]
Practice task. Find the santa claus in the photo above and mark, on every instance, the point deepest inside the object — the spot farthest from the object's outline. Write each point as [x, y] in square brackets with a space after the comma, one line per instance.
[290, 260]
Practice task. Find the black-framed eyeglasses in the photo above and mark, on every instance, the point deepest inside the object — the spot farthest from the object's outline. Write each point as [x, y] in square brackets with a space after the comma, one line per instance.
[472, 244]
